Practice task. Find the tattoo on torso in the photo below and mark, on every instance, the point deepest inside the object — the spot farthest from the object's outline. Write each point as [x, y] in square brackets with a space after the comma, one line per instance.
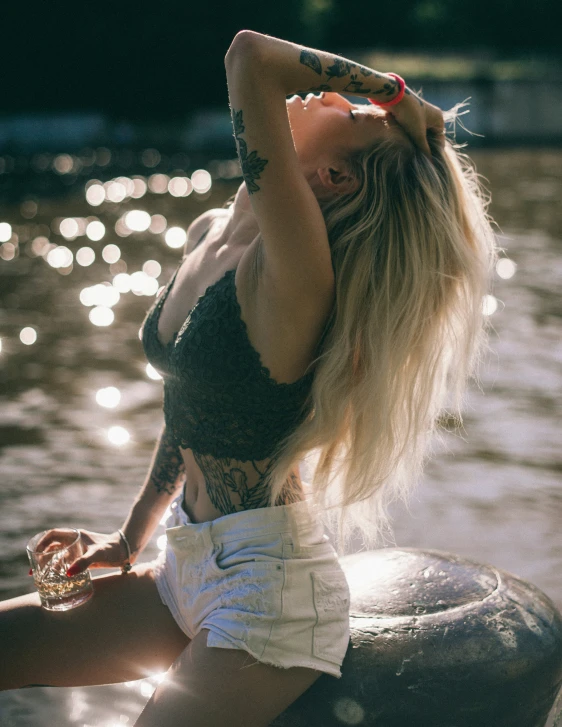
[229, 491]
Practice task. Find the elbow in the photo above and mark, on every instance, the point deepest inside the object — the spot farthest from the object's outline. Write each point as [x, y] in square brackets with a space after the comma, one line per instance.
[245, 46]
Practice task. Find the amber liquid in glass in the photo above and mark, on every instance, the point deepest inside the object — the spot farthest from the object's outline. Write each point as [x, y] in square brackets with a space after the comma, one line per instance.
[57, 591]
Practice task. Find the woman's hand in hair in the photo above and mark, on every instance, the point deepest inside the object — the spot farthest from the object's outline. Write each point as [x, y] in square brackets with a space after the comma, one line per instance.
[416, 117]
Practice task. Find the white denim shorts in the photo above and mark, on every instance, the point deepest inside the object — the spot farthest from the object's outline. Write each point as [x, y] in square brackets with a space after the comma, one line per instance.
[267, 581]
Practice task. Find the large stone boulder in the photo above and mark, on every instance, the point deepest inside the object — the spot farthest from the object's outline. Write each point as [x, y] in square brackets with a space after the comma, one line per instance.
[438, 641]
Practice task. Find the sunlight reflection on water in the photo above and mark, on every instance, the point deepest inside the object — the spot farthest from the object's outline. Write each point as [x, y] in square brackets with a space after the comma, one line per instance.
[492, 494]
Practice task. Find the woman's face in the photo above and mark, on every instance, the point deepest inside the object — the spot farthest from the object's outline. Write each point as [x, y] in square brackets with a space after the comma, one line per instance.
[328, 127]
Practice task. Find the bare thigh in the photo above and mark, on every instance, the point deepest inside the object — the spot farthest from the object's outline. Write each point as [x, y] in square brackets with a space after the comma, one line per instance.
[216, 687]
[124, 632]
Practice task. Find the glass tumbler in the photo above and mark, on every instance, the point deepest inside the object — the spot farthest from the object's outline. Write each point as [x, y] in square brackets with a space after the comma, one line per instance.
[50, 553]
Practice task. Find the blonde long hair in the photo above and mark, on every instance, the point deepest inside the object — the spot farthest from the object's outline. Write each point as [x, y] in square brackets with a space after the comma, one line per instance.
[412, 250]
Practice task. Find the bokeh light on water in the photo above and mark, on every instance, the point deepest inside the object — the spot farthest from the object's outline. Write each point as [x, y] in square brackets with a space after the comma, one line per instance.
[5, 231]
[109, 396]
[87, 387]
[81, 407]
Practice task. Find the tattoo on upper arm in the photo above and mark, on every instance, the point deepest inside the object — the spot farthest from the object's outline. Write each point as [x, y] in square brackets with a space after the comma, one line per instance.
[252, 165]
[341, 68]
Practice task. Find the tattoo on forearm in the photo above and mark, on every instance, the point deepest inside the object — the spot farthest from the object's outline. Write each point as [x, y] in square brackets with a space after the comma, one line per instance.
[341, 68]
[252, 165]
[310, 59]
[317, 89]
[167, 467]
[411, 93]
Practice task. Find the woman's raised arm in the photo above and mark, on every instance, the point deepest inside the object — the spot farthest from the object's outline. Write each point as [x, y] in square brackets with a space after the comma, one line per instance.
[305, 70]
[298, 69]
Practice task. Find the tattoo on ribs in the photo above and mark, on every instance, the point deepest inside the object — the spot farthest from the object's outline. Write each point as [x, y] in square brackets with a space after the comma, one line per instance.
[252, 165]
[229, 491]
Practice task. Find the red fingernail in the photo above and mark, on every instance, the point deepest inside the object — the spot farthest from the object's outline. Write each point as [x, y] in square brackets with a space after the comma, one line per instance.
[69, 573]
[31, 571]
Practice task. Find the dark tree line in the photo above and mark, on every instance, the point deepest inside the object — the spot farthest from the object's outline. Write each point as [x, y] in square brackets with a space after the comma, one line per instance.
[163, 58]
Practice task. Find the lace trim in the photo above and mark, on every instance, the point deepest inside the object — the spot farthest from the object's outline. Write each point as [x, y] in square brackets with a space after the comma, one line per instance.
[228, 278]
[219, 399]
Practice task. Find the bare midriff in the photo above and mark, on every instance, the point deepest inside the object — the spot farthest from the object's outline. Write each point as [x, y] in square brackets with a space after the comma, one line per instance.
[199, 489]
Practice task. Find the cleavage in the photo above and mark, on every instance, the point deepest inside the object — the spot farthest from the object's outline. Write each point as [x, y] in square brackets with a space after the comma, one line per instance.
[188, 289]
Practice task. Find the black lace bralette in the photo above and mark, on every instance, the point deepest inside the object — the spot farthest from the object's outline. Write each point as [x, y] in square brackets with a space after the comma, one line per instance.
[218, 397]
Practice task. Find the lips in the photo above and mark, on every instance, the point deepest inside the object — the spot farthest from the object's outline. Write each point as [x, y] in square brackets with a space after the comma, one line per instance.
[308, 98]
[311, 96]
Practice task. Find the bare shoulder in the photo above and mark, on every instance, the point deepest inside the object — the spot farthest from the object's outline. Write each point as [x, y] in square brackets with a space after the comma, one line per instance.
[200, 224]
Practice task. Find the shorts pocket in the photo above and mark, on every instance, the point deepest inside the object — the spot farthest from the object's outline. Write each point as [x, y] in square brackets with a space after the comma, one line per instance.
[331, 602]
[269, 550]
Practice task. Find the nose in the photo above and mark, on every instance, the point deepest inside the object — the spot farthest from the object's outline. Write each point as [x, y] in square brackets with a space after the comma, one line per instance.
[335, 99]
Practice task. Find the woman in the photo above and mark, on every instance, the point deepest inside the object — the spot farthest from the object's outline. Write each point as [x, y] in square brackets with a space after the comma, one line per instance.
[328, 310]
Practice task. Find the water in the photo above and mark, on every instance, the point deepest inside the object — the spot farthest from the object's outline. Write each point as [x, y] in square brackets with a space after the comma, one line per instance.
[492, 495]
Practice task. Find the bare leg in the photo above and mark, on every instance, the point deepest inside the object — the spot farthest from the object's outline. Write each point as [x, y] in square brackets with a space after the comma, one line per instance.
[215, 687]
[123, 633]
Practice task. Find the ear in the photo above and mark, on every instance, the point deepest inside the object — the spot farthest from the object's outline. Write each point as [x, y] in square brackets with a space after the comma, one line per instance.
[338, 181]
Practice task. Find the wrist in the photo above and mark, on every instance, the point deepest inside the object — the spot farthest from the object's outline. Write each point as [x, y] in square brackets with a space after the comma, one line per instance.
[128, 560]
[391, 93]
[131, 542]
[141, 522]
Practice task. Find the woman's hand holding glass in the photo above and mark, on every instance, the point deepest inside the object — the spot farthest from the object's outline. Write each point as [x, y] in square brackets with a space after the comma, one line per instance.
[100, 550]
[52, 554]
